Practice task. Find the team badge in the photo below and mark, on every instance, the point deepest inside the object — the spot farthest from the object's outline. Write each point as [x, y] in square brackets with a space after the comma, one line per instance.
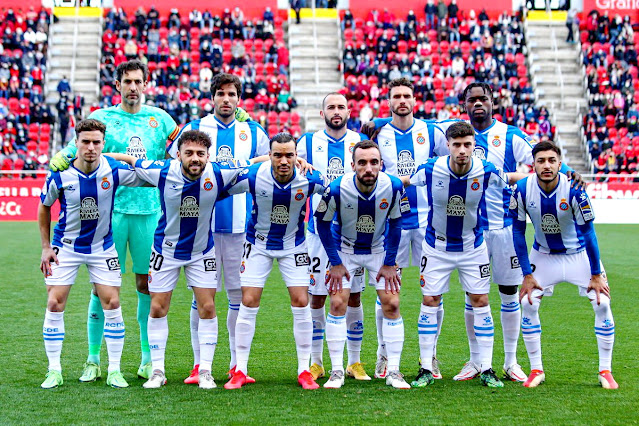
[422, 281]
[105, 184]
[299, 196]
[312, 282]
[149, 277]
[563, 205]
[420, 139]
[153, 122]
[242, 268]
[496, 142]
[350, 148]
[384, 204]
[475, 185]
[243, 136]
[208, 185]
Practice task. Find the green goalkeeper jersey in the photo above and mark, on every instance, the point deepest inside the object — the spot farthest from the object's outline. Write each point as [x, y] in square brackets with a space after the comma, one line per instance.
[143, 135]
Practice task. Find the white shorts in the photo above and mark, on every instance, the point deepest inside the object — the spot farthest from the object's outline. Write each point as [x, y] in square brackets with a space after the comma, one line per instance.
[551, 269]
[164, 271]
[371, 262]
[319, 268]
[436, 267]
[257, 264]
[228, 253]
[412, 240]
[501, 251]
[103, 266]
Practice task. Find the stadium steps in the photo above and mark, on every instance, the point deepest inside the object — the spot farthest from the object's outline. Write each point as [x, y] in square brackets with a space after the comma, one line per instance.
[546, 63]
[305, 57]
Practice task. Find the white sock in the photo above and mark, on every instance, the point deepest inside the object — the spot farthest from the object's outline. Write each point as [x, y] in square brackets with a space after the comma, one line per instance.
[319, 324]
[207, 336]
[114, 337]
[393, 331]
[440, 321]
[235, 298]
[53, 335]
[303, 332]
[354, 332]
[531, 330]
[335, 340]
[195, 342]
[158, 331]
[379, 321]
[244, 332]
[427, 327]
[469, 319]
[485, 335]
[604, 330]
[510, 322]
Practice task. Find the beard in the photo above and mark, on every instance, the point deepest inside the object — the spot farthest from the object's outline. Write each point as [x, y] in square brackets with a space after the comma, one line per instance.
[330, 125]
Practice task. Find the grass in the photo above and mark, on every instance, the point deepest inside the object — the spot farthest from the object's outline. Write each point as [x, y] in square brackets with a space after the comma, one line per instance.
[570, 395]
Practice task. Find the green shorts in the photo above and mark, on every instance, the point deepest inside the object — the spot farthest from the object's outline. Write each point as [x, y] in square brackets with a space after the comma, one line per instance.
[136, 231]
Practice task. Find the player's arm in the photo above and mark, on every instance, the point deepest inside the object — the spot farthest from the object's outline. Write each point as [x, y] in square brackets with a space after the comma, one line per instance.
[518, 211]
[372, 128]
[514, 177]
[129, 159]
[48, 255]
[394, 233]
[419, 177]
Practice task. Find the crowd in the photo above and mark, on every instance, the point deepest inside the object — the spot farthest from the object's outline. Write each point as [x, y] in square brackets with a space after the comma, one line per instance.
[611, 127]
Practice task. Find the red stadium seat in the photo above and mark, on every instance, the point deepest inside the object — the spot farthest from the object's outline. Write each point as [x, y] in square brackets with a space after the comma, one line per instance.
[32, 146]
[295, 118]
[272, 117]
[258, 44]
[273, 129]
[226, 44]
[284, 116]
[348, 34]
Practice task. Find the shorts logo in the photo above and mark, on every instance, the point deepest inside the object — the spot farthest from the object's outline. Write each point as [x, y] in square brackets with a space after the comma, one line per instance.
[420, 139]
[335, 168]
[484, 270]
[405, 163]
[242, 268]
[210, 265]
[456, 206]
[422, 281]
[189, 207]
[208, 185]
[359, 271]
[89, 209]
[224, 154]
[105, 184]
[365, 224]
[67, 240]
[153, 122]
[479, 153]
[312, 281]
[496, 142]
[384, 204]
[563, 205]
[243, 136]
[475, 185]
[113, 264]
[302, 259]
[260, 237]
[280, 215]
[550, 225]
[514, 262]
[300, 195]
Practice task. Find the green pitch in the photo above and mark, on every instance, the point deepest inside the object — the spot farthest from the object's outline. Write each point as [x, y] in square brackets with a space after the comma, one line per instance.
[571, 393]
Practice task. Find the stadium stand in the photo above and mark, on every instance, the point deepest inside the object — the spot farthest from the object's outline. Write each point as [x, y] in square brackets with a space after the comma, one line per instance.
[25, 120]
[611, 126]
[184, 51]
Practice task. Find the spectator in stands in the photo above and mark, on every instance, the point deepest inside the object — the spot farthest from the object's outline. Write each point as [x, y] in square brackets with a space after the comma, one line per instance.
[571, 20]
[268, 15]
[442, 12]
[430, 10]
[63, 87]
[296, 5]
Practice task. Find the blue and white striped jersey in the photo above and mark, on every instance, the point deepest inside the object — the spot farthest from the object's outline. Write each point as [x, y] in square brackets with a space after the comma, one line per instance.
[360, 220]
[455, 221]
[235, 141]
[555, 216]
[331, 157]
[505, 146]
[277, 218]
[184, 229]
[86, 204]
[402, 152]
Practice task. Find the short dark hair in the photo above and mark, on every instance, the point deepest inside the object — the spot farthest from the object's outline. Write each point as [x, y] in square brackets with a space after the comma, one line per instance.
[332, 94]
[222, 78]
[484, 86]
[366, 144]
[282, 137]
[195, 136]
[131, 65]
[89, 125]
[459, 129]
[402, 81]
[546, 146]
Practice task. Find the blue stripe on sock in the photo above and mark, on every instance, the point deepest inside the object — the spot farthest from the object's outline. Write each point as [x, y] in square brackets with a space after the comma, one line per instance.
[428, 332]
[53, 334]
[485, 334]
[114, 330]
[355, 331]
[604, 334]
[484, 328]
[510, 310]
[318, 337]
[56, 338]
[531, 332]
[605, 328]
[426, 325]
[354, 339]
[318, 330]
[106, 336]
[526, 327]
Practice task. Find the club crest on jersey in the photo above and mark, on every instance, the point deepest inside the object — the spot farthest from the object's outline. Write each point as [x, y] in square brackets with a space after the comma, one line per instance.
[351, 147]
[365, 224]
[149, 278]
[189, 207]
[105, 184]
[153, 122]
[563, 205]
[496, 142]
[89, 209]
[422, 281]
[550, 224]
[384, 204]
[405, 163]
[456, 206]
[479, 152]
[312, 281]
[243, 136]
[475, 185]
[136, 148]
[300, 195]
[208, 185]
[242, 268]
[279, 215]
[420, 139]
[224, 154]
[335, 168]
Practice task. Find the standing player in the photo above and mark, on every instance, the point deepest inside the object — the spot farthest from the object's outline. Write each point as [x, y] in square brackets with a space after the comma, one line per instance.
[189, 188]
[276, 231]
[83, 237]
[565, 249]
[231, 140]
[457, 189]
[328, 151]
[360, 204]
[141, 131]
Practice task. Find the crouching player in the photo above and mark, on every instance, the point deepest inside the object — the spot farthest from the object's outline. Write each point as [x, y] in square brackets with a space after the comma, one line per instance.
[565, 249]
[83, 237]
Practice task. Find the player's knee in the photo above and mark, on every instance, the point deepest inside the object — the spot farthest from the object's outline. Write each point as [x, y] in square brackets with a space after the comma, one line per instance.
[54, 304]
[206, 309]
[158, 309]
[318, 301]
[111, 303]
[300, 300]
[354, 300]
[478, 300]
[507, 290]
[142, 283]
[338, 306]
[391, 308]
[431, 300]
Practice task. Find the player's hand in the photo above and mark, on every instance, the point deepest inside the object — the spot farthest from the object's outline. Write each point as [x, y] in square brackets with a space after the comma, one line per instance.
[304, 166]
[334, 278]
[242, 115]
[369, 130]
[392, 280]
[599, 284]
[61, 161]
[48, 257]
[576, 180]
[529, 285]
